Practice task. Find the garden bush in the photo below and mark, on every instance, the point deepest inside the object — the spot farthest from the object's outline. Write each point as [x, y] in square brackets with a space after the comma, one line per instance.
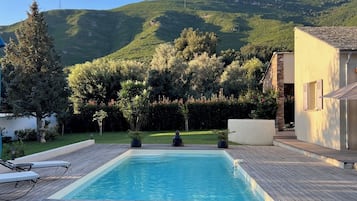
[83, 122]
[13, 150]
[30, 134]
[27, 134]
[203, 113]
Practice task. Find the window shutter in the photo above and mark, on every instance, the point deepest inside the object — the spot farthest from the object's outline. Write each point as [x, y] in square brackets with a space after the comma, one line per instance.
[305, 97]
[319, 94]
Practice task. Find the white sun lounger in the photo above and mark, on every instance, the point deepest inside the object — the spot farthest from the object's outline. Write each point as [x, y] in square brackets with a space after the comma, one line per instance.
[15, 185]
[39, 164]
[18, 176]
[45, 164]
[30, 165]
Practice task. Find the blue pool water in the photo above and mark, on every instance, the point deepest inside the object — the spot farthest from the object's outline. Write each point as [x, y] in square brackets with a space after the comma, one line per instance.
[168, 176]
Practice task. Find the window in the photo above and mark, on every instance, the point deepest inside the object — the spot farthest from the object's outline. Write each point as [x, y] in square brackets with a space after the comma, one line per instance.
[313, 95]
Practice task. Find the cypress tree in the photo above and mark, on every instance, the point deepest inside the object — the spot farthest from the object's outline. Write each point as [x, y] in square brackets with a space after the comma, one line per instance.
[33, 74]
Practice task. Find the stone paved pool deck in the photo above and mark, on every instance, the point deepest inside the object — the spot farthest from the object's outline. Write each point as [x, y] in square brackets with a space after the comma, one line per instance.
[285, 174]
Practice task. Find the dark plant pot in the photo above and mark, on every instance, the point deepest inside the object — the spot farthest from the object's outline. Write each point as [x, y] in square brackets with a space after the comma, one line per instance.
[135, 143]
[177, 142]
[222, 144]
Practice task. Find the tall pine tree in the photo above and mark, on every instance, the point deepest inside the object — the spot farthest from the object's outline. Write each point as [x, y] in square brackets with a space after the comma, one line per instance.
[33, 74]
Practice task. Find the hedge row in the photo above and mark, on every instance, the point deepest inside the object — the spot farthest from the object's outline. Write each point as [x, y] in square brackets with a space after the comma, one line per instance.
[83, 122]
[164, 116]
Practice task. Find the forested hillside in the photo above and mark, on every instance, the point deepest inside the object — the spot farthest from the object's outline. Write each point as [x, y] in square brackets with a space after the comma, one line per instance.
[134, 31]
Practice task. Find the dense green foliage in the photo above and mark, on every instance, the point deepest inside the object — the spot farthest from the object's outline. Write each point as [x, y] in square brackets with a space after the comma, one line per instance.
[194, 42]
[172, 73]
[34, 79]
[83, 122]
[183, 53]
[133, 31]
[99, 81]
[133, 101]
[203, 113]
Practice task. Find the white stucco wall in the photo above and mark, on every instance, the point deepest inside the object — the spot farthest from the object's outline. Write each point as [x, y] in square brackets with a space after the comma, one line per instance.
[316, 60]
[12, 124]
[251, 131]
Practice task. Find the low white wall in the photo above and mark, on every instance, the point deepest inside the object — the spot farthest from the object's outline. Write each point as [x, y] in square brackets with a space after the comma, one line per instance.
[251, 131]
[11, 124]
[47, 155]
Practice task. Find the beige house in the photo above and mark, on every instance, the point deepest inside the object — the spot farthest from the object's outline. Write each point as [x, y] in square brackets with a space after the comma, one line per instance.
[279, 77]
[325, 60]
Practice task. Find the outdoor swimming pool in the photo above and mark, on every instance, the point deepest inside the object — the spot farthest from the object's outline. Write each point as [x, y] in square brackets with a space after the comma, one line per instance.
[163, 175]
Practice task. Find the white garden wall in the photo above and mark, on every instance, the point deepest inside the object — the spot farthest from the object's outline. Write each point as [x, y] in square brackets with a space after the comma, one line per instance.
[12, 124]
[251, 131]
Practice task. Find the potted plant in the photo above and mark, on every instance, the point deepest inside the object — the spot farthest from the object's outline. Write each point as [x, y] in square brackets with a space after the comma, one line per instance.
[135, 138]
[134, 105]
[222, 136]
[99, 116]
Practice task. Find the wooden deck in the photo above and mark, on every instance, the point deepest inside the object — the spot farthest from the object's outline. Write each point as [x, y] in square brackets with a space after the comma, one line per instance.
[284, 174]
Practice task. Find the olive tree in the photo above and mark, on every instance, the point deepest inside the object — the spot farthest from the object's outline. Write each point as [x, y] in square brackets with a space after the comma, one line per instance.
[194, 42]
[167, 76]
[234, 80]
[100, 80]
[204, 74]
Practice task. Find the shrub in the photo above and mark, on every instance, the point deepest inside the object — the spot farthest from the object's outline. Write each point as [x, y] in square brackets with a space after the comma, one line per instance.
[28, 134]
[13, 150]
[83, 122]
[264, 105]
[51, 134]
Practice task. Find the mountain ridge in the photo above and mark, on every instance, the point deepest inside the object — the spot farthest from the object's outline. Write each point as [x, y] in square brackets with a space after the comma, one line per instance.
[133, 31]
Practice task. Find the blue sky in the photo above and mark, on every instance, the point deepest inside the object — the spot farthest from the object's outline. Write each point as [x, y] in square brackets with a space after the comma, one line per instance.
[12, 11]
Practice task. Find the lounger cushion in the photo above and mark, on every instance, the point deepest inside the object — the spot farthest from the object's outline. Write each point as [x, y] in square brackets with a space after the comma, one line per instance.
[43, 164]
[47, 164]
[18, 176]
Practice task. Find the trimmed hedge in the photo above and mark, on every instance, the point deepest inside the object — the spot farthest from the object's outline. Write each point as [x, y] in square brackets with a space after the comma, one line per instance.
[164, 116]
[215, 115]
[83, 122]
[203, 113]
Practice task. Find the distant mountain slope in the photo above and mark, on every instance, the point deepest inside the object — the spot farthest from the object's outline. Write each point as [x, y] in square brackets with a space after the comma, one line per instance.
[345, 15]
[133, 31]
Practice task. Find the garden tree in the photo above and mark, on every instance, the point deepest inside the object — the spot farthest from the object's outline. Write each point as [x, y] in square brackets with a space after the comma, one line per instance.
[263, 53]
[204, 73]
[264, 103]
[99, 116]
[99, 81]
[167, 76]
[134, 103]
[35, 81]
[192, 42]
[133, 70]
[63, 118]
[254, 72]
[233, 80]
[165, 58]
[161, 85]
[90, 81]
[183, 108]
[230, 55]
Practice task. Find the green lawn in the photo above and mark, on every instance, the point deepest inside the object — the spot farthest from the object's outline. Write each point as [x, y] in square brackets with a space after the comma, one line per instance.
[191, 137]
